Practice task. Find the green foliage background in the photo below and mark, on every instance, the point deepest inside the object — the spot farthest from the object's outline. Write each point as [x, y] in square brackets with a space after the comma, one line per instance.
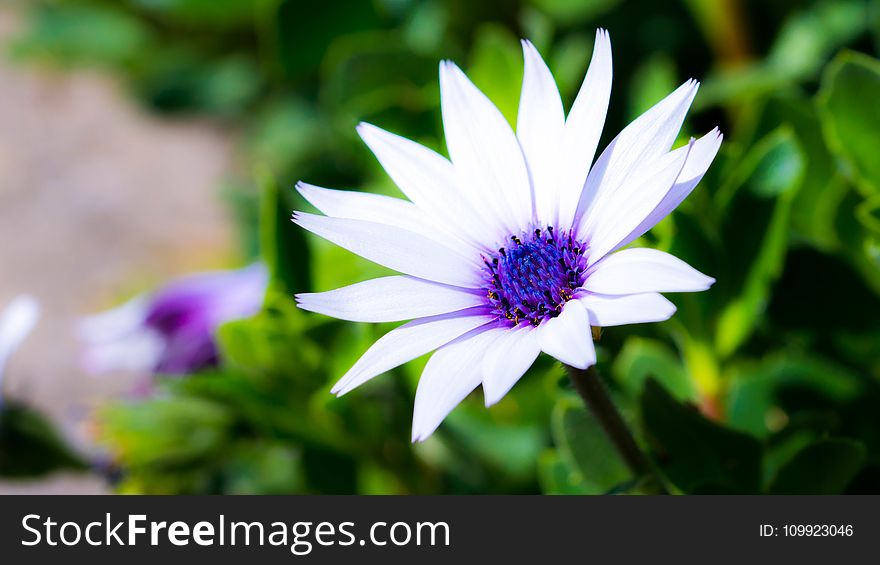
[769, 382]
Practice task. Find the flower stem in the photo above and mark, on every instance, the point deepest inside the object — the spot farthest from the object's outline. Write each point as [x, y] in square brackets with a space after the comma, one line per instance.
[595, 394]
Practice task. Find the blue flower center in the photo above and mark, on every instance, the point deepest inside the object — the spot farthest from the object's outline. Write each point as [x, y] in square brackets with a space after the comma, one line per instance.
[530, 280]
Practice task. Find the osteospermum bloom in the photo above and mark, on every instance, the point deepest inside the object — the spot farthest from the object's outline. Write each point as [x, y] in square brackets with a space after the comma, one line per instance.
[512, 246]
[172, 331]
[17, 320]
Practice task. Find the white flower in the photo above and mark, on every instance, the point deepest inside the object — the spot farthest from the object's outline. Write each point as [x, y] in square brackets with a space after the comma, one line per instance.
[510, 247]
[16, 322]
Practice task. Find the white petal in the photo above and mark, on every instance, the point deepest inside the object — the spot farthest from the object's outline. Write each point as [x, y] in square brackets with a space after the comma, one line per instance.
[120, 340]
[395, 248]
[140, 351]
[583, 128]
[507, 360]
[634, 271]
[539, 127]
[382, 209]
[121, 320]
[648, 137]
[612, 220]
[405, 344]
[701, 156]
[568, 337]
[607, 311]
[16, 321]
[487, 157]
[452, 373]
[427, 179]
[389, 299]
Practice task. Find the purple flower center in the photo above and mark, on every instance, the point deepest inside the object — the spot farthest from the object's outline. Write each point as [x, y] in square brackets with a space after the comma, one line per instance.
[531, 279]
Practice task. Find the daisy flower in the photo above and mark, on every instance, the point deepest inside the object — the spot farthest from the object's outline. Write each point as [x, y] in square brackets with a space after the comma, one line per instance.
[172, 330]
[17, 320]
[513, 245]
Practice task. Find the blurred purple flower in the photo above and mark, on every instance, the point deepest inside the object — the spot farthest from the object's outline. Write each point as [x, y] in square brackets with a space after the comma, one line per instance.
[16, 322]
[172, 331]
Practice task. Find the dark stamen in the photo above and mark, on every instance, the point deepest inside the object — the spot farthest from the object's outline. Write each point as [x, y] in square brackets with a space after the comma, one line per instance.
[533, 280]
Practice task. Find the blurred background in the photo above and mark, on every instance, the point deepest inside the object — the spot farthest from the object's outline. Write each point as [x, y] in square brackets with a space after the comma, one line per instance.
[145, 140]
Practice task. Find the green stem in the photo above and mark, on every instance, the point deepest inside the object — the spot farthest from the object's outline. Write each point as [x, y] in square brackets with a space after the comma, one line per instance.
[595, 394]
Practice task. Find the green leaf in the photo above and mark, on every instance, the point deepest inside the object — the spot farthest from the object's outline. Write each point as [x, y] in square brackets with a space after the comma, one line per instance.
[166, 432]
[753, 389]
[83, 34]
[584, 447]
[781, 447]
[210, 14]
[651, 82]
[271, 342]
[697, 454]
[183, 80]
[30, 446]
[824, 467]
[773, 166]
[642, 358]
[258, 467]
[847, 104]
[371, 73]
[282, 243]
[568, 61]
[868, 214]
[510, 449]
[301, 43]
[823, 187]
[802, 46]
[284, 134]
[569, 12]
[496, 68]
[773, 169]
[557, 477]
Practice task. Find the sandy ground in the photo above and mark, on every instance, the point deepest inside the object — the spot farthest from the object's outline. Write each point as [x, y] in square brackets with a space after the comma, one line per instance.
[98, 200]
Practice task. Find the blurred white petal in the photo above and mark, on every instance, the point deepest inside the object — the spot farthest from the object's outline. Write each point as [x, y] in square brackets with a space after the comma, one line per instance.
[108, 325]
[119, 340]
[137, 352]
[17, 320]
